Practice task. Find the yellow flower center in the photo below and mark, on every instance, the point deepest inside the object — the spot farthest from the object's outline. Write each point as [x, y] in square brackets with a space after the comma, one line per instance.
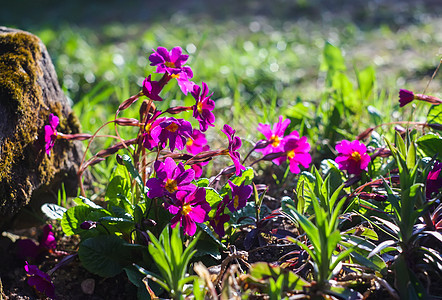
[169, 64]
[291, 154]
[171, 185]
[275, 141]
[176, 76]
[186, 209]
[356, 156]
[200, 107]
[189, 142]
[235, 201]
[172, 127]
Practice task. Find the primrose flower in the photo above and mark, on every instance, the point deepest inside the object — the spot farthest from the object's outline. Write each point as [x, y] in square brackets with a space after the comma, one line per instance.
[202, 110]
[177, 131]
[189, 208]
[51, 133]
[170, 179]
[296, 151]
[151, 123]
[274, 136]
[27, 249]
[40, 281]
[239, 196]
[405, 97]
[151, 89]
[197, 142]
[352, 156]
[434, 180]
[219, 219]
[234, 144]
[172, 63]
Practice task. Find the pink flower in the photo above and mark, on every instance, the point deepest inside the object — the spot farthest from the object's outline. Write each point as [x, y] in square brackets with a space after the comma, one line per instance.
[274, 136]
[51, 133]
[177, 131]
[202, 110]
[189, 209]
[151, 123]
[197, 142]
[234, 144]
[434, 180]
[40, 281]
[296, 151]
[352, 156]
[170, 179]
[27, 249]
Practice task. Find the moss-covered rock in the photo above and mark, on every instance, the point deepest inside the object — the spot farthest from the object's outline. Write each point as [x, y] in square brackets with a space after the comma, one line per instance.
[29, 92]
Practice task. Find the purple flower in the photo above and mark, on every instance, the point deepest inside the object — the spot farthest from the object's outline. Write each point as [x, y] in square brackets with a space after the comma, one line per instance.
[170, 179]
[405, 97]
[166, 61]
[189, 208]
[40, 281]
[27, 249]
[151, 89]
[172, 63]
[175, 130]
[239, 196]
[234, 144]
[48, 239]
[434, 180]
[352, 156]
[197, 142]
[151, 123]
[51, 133]
[274, 137]
[219, 219]
[202, 110]
[296, 151]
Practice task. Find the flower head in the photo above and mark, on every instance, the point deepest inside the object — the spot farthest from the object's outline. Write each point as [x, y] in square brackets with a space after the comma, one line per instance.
[197, 142]
[434, 180]
[151, 89]
[202, 110]
[40, 281]
[183, 79]
[274, 136]
[234, 144]
[48, 239]
[177, 131]
[189, 208]
[166, 61]
[239, 196]
[405, 97]
[151, 123]
[51, 133]
[296, 151]
[219, 219]
[27, 249]
[352, 156]
[170, 179]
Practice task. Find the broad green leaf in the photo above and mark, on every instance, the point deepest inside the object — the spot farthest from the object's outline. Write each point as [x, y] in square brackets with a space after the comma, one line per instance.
[431, 145]
[332, 59]
[366, 79]
[435, 115]
[53, 211]
[73, 218]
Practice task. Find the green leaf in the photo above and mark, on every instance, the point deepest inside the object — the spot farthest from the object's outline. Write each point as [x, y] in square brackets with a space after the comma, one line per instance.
[106, 255]
[245, 179]
[119, 184]
[366, 79]
[332, 59]
[73, 218]
[53, 211]
[292, 282]
[431, 145]
[203, 182]
[435, 115]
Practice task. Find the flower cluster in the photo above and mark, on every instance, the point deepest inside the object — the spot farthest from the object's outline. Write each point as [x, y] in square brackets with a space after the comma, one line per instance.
[281, 148]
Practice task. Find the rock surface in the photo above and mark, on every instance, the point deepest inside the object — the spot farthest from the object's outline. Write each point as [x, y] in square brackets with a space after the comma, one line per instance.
[29, 93]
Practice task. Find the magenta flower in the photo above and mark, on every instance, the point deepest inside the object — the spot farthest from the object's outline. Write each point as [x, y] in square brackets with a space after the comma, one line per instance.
[48, 239]
[239, 196]
[177, 131]
[151, 123]
[27, 249]
[197, 142]
[274, 136]
[151, 89]
[219, 219]
[296, 151]
[170, 179]
[434, 180]
[202, 110]
[51, 133]
[189, 208]
[234, 144]
[40, 281]
[352, 156]
[405, 97]
[166, 61]
[172, 63]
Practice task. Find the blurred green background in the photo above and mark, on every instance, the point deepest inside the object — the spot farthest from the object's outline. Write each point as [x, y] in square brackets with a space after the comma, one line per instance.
[260, 58]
